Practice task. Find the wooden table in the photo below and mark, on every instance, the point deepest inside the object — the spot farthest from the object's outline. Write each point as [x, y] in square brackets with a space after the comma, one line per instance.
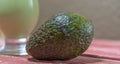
[99, 52]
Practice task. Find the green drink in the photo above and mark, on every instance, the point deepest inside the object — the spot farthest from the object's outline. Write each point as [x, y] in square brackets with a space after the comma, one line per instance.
[17, 20]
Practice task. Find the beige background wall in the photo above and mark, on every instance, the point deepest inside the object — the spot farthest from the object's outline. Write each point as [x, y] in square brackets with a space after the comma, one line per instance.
[105, 14]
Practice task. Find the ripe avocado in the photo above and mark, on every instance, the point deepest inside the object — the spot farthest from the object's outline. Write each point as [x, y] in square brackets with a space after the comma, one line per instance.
[65, 35]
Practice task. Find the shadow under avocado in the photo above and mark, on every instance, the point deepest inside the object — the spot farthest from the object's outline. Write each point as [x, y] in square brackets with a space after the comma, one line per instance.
[77, 60]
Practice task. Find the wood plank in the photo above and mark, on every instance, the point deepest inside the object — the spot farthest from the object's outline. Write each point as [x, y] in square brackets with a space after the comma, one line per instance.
[105, 49]
[77, 60]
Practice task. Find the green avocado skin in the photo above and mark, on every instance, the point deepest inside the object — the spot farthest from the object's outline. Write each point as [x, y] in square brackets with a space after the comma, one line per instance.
[65, 35]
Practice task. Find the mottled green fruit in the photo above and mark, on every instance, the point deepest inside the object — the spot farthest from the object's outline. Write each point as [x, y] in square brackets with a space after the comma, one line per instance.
[64, 36]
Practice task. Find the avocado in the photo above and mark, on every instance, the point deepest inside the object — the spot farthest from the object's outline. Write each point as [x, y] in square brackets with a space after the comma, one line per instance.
[65, 35]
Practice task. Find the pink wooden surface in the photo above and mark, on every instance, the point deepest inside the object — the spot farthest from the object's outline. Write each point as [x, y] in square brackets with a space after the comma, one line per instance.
[77, 60]
[99, 52]
[105, 49]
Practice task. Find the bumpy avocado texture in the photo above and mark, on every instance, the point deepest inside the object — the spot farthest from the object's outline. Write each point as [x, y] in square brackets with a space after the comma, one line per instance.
[64, 36]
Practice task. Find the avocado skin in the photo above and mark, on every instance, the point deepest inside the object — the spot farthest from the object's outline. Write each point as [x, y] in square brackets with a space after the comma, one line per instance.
[65, 35]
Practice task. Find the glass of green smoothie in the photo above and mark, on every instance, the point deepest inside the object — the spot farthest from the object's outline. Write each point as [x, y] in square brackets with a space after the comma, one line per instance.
[17, 20]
